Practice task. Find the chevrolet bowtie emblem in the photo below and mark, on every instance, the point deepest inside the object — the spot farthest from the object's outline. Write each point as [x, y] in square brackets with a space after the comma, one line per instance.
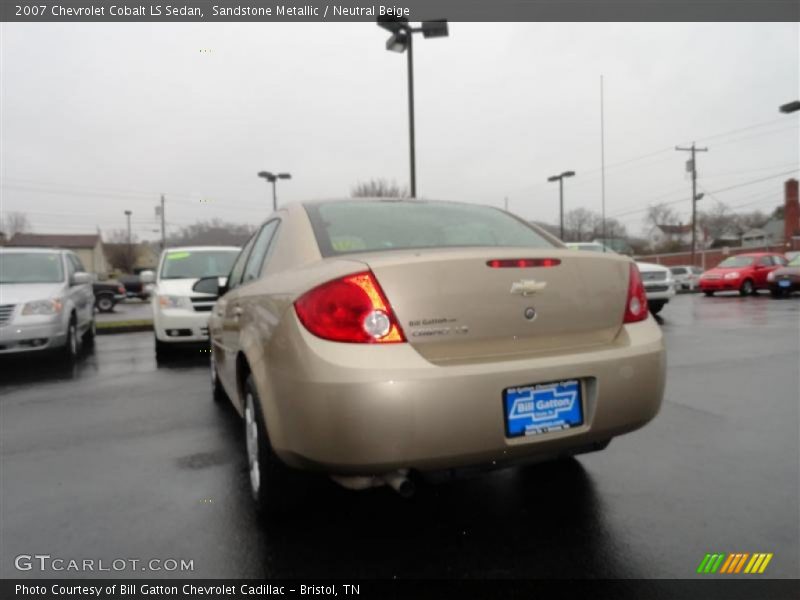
[527, 287]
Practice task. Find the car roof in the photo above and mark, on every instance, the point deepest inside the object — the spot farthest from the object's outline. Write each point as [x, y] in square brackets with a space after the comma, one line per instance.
[28, 250]
[201, 248]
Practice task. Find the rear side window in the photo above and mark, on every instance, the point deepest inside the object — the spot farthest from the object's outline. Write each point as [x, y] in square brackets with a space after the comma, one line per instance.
[367, 226]
[259, 252]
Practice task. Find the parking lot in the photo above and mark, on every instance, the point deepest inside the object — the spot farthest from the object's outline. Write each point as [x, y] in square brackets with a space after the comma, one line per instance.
[118, 457]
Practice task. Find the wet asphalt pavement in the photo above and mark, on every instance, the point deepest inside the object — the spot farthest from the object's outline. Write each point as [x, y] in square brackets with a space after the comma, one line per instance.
[121, 458]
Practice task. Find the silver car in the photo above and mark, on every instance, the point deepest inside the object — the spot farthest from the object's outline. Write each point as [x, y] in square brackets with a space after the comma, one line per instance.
[46, 301]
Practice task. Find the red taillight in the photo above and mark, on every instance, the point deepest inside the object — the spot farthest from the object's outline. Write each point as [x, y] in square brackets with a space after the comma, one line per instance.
[636, 302]
[522, 263]
[121, 289]
[351, 309]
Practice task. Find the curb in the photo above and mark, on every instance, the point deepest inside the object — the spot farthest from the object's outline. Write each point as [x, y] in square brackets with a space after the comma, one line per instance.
[128, 328]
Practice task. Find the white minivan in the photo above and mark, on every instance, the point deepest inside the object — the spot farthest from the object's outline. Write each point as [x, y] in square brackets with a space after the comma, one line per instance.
[180, 315]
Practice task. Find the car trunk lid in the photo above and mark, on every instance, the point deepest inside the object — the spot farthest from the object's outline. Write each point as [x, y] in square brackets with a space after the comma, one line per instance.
[454, 307]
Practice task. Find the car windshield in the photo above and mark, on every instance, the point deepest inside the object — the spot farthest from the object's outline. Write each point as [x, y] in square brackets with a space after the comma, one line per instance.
[195, 264]
[364, 226]
[678, 271]
[31, 267]
[736, 261]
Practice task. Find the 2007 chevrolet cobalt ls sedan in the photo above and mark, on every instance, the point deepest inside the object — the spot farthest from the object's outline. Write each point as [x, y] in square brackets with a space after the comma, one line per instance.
[367, 339]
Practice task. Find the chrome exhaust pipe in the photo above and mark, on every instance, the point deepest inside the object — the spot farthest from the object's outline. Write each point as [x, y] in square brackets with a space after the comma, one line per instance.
[400, 483]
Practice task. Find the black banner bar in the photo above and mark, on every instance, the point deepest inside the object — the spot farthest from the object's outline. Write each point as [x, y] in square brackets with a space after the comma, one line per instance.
[414, 10]
[732, 588]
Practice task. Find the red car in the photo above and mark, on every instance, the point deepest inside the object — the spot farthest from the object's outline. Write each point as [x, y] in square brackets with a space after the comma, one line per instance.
[745, 273]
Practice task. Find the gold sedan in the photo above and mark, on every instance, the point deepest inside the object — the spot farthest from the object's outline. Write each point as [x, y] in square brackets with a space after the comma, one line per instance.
[372, 339]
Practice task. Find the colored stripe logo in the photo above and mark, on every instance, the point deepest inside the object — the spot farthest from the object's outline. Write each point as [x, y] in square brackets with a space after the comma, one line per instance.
[735, 563]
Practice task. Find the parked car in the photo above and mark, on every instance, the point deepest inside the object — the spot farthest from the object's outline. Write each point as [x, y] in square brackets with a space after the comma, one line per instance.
[370, 339]
[687, 277]
[135, 287]
[745, 273]
[107, 294]
[658, 284]
[589, 247]
[180, 316]
[46, 301]
[785, 280]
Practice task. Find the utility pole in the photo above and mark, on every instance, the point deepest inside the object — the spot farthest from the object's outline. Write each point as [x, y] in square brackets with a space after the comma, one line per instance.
[163, 226]
[694, 150]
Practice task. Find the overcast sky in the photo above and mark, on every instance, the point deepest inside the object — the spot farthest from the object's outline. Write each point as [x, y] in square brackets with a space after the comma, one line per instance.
[99, 118]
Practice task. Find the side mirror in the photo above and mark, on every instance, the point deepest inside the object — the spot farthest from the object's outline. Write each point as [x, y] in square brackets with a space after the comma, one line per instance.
[80, 278]
[147, 277]
[208, 285]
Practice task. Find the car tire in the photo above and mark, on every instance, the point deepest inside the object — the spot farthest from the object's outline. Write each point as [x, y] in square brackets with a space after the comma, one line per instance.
[72, 346]
[747, 288]
[655, 306]
[708, 293]
[105, 303]
[776, 293]
[163, 351]
[267, 475]
[217, 391]
[90, 334]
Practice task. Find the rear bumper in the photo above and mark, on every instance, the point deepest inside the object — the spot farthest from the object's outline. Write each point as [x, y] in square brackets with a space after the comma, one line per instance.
[794, 286]
[362, 410]
[659, 291]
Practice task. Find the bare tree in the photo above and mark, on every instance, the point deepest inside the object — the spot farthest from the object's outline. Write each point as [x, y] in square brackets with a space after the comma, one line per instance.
[613, 229]
[14, 223]
[661, 214]
[378, 188]
[212, 233]
[579, 224]
[118, 253]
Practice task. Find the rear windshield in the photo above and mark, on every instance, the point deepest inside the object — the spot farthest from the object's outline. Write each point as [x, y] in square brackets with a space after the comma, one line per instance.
[736, 261]
[367, 226]
[34, 267]
[195, 264]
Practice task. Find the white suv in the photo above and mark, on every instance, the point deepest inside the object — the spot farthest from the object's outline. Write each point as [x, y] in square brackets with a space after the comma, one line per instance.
[180, 315]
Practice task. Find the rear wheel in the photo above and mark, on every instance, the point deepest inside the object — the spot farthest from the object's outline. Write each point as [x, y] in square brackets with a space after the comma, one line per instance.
[776, 293]
[105, 303]
[747, 288]
[708, 292]
[655, 306]
[267, 473]
[90, 333]
[217, 391]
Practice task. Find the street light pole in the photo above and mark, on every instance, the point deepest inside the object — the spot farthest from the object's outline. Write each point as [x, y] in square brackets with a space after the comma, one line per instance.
[272, 178]
[411, 139]
[401, 40]
[128, 217]
[560, 179]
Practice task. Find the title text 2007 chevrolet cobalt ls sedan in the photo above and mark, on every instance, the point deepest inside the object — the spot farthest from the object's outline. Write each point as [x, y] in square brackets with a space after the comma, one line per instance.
[369, 338]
